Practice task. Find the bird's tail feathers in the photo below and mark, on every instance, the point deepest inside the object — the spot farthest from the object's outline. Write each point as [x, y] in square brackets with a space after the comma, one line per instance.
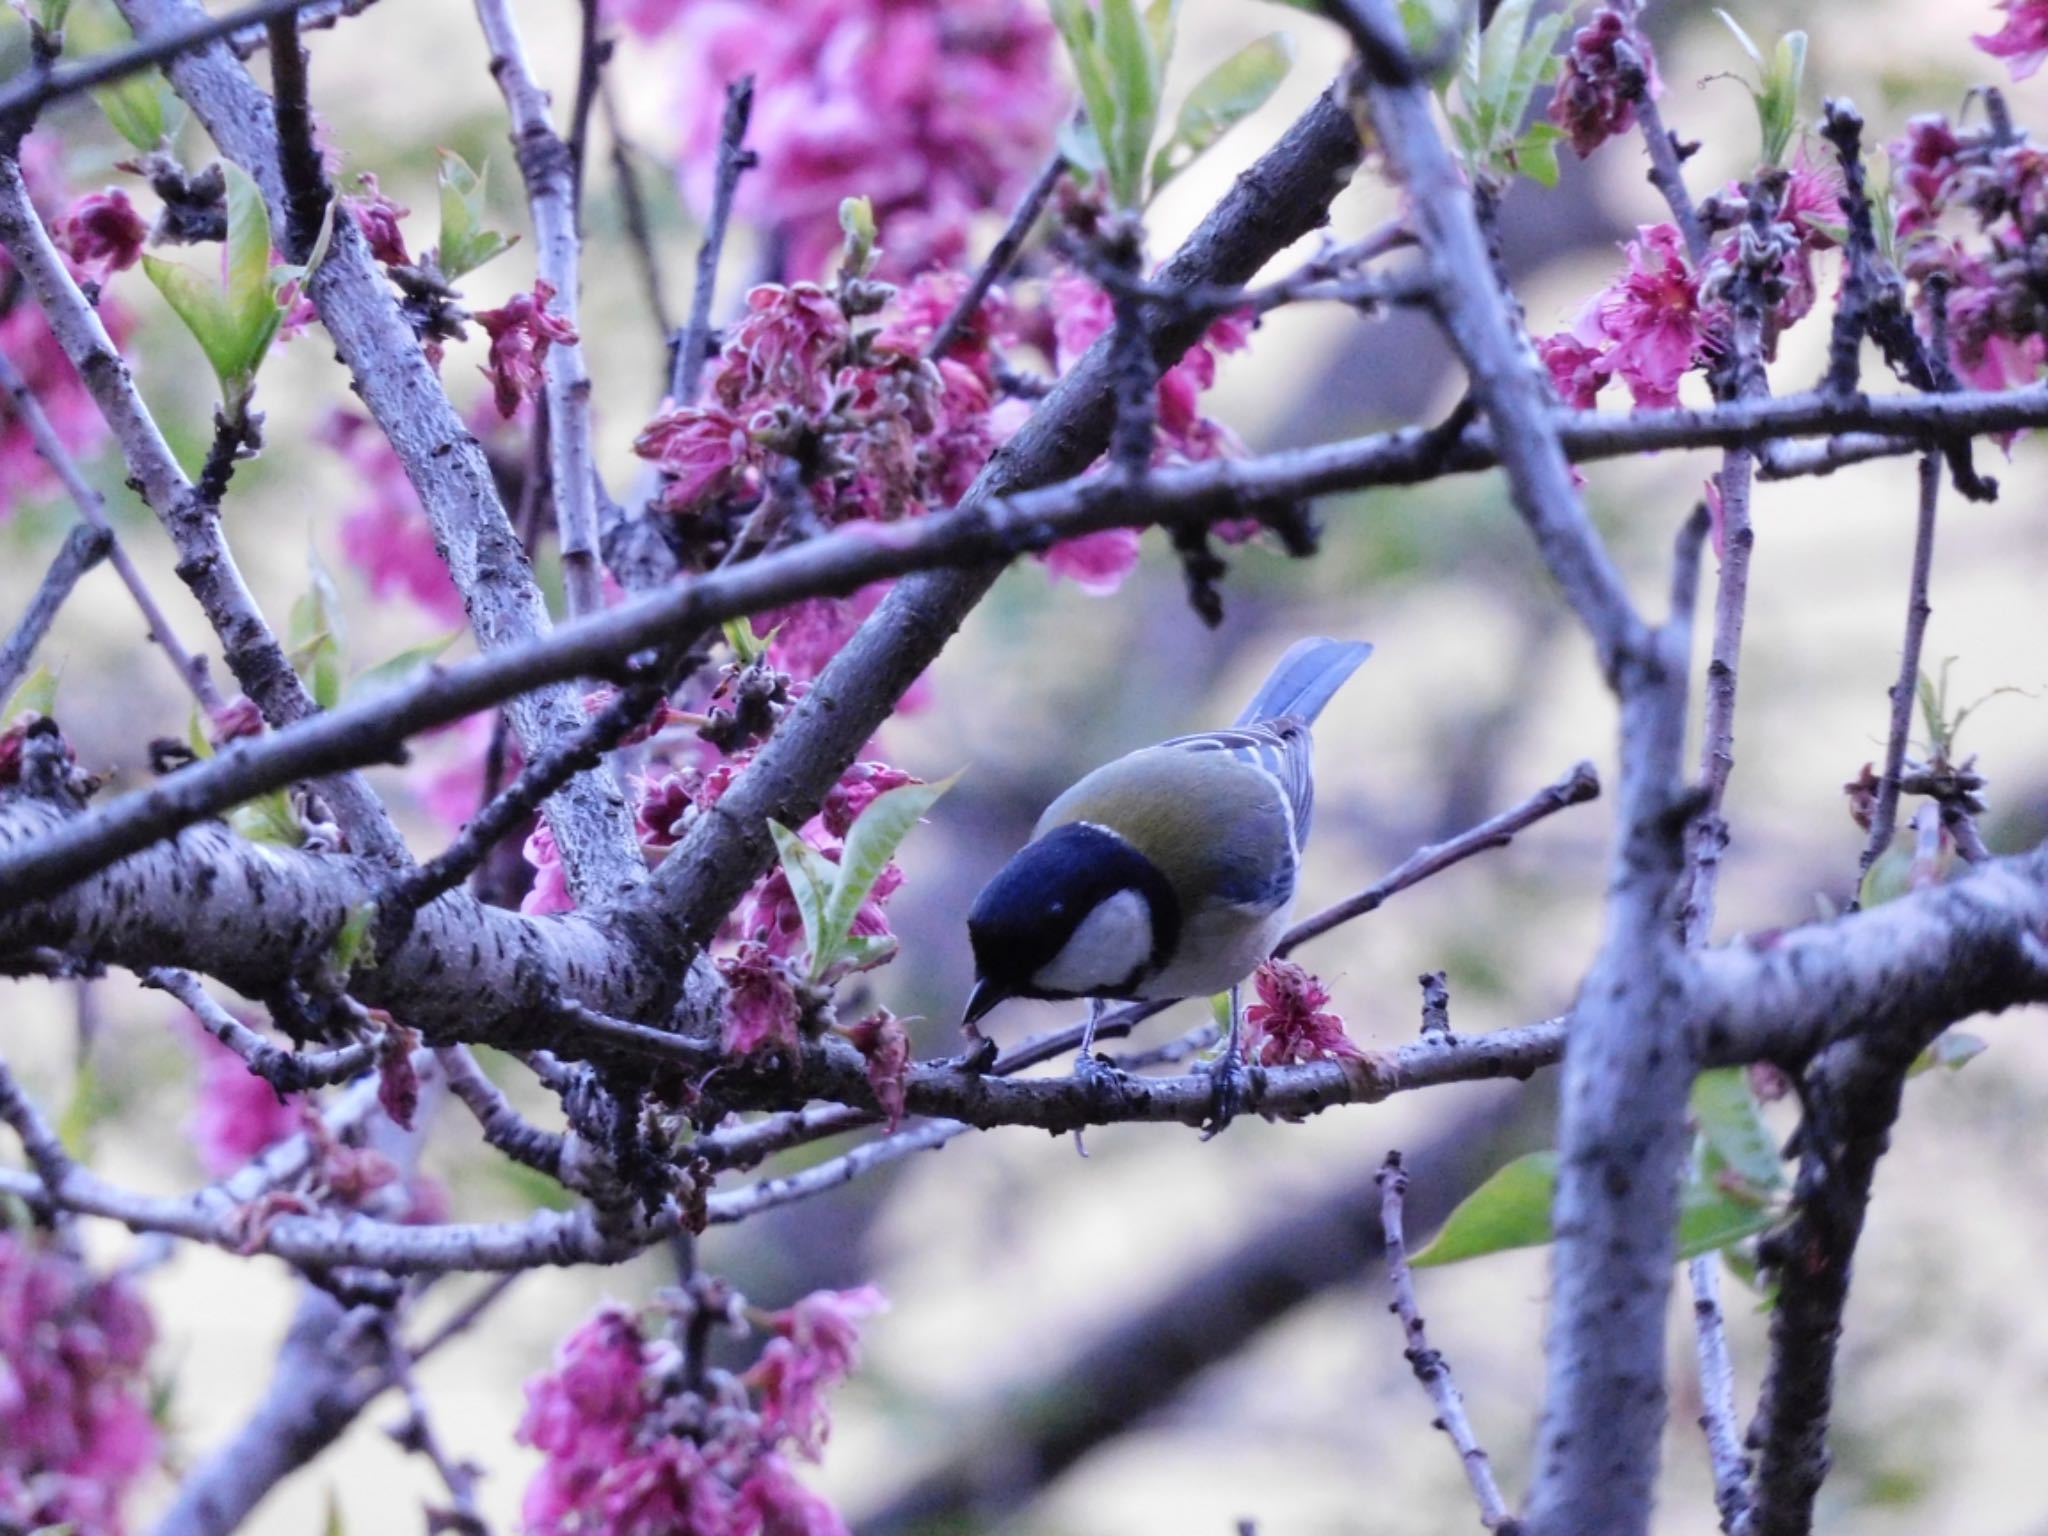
[1306, 679]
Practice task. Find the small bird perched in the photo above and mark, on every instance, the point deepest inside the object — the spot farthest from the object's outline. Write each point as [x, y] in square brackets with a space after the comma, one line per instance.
[1168, 873]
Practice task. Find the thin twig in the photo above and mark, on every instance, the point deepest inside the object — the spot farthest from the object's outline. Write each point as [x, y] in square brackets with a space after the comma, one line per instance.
[1577, 787]
[1905, 688]
[286, 1071]
[549, 170]
[418, 1434]
[29, 96]
[92, 508]
[502, 1125]
[639, 233]
[734, 158]
[1429, 1365]
[1717, 1392]
[1001, 255]
[83, 548]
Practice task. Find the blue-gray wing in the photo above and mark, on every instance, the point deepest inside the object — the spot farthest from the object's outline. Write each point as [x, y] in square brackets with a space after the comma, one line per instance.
[1281, 749]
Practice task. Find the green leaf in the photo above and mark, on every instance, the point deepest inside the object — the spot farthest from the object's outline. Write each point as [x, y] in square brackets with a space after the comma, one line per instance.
[865, 951]
[1952, 1048]
[1162, 24]
[1222, 99]
[1777, 104]
[1076, 23]
[1748, 45]
[400, 669]
[1535, 153]
[353, 946]
[268, 819]
[38, 691]
[857, 223]
[1889, 877]
[1710, 1217]
[1500, 47]
[747, 646]
[235, 318]
[810, 876]
[1731, 1122]
[333, 1526]
[1135, 77]
[141, 106]
[316, 635]
[1510, 1210]
[50, 14]
[466, 242]
[870, 844]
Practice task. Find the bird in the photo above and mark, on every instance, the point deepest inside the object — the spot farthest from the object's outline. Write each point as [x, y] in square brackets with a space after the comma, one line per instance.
[1170, 872]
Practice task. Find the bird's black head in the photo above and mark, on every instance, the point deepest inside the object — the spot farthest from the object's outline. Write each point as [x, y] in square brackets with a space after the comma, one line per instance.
[1025, 918]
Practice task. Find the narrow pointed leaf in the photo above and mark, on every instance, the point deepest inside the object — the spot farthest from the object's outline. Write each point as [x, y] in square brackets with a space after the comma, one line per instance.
[870, 845]
[1134, 81]
[1510, 1210]
[466, 241]
[1731, 1122]
[1222, 99]
[810, 876]
[38, 691]
[400, 669]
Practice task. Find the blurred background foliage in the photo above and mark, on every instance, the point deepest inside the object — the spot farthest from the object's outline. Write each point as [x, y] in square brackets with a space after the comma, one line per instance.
[1170, 1336]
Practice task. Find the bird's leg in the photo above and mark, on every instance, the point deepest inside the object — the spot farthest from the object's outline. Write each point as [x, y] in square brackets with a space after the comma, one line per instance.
[980, 1054]
[1086, 1062]
[1229, 1083]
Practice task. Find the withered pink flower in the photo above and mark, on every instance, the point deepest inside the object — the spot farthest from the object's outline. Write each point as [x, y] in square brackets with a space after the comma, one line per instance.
[1291, 1021]
[521, 331]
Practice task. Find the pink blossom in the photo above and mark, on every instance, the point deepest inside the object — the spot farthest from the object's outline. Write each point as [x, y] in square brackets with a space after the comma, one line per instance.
[1577, 371]
[858, 788]
[103, 233]
[773, 1503]
[1290, 1022]
[784, 349]
[75, 1429]
[237, 1115]
[1593, 101]
[703, 450]
[818, 1347]
[2023, 41]
[234, 720]
[377, 217]
[1925, 164]
[521, 331]
[1653, 317]
[934, 109]
[761, 1004]
[1097, 563]
[882, 1040]
[549, 892]
[387, 535]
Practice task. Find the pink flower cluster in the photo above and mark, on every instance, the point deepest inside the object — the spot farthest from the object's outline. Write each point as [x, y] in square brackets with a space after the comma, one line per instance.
[934, 110]
[521, 331]
[629, 1450]
[1649, 328]
[1595, 100]
[75, 1428]
[1998, 325]
[99, 236]
[1291, 1021]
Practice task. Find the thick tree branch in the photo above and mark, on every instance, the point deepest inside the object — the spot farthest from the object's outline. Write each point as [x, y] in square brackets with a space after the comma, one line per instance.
[442, 458]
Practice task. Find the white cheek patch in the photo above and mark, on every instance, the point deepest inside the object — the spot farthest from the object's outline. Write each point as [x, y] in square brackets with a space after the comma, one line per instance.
[1112, 945]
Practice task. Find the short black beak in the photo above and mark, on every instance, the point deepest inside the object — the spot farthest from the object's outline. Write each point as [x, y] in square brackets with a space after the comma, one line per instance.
[981, 1000]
